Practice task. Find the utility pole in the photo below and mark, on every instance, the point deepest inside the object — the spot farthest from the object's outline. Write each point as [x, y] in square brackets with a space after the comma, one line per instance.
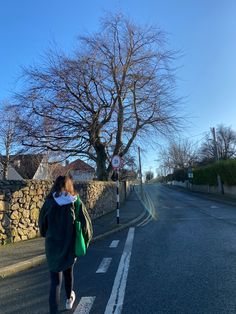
[140, 172]
[220, 186]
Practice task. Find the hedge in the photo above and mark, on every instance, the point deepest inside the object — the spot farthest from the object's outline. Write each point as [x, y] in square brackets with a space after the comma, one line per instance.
[208, 174]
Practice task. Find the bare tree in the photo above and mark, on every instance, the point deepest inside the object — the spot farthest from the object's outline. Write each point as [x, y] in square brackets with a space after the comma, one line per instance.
[9, 140]
[179, 154]
[226, 144]
[129, 169]
[117, 87]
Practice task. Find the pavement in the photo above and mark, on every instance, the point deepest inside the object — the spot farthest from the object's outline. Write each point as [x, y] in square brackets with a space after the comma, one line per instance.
[16, 257]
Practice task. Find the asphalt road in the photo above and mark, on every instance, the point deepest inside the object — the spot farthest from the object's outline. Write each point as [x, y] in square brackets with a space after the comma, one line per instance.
[182, 261]
[185, 261]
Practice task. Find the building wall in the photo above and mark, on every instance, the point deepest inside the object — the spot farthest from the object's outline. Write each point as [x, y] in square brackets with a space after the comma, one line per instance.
[20, 203]
[82, 175]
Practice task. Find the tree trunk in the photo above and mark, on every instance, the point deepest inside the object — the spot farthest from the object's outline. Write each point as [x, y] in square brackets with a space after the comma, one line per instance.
[5, 171]
[6, 163]
[102, 173]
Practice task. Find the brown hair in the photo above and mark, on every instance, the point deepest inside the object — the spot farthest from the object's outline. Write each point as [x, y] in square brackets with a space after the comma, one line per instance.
[63, 183]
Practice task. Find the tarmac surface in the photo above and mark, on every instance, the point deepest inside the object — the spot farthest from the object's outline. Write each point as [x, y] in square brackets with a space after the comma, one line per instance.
[16, 257]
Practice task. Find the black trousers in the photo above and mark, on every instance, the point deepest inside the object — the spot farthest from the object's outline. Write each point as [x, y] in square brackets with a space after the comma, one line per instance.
[55, 288]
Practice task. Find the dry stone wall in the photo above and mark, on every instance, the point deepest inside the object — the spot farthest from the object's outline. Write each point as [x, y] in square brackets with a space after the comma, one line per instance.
[19, 209]
[20, 203]
[100, 197]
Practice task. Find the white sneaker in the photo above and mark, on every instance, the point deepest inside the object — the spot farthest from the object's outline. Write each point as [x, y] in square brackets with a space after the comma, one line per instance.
[70, 301]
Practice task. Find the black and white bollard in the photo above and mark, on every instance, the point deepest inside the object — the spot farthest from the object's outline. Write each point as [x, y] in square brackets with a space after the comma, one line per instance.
[116, 163]
[117, 198]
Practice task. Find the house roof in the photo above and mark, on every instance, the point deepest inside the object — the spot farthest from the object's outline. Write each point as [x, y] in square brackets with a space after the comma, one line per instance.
[26, 165]
[56, 169]
[80, 165]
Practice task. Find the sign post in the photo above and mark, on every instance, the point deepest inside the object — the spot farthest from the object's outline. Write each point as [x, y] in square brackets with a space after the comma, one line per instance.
[116, 163]
[190, 177]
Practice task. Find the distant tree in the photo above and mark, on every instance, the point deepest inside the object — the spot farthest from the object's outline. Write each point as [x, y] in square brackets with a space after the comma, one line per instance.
[226, 144]
[9, 138]
[117, 87]
[149, 175]
[129, 162]
[179, 154]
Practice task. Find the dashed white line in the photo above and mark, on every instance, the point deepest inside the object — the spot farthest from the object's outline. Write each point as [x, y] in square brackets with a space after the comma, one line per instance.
[115, 302]
[84, 305]
[114, 244]
[104, 265]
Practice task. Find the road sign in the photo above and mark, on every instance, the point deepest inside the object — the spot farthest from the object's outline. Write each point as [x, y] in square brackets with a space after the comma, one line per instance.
[190, 173]
[116, 162]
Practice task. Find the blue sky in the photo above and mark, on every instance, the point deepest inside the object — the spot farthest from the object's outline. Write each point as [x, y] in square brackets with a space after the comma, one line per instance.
[204, 30]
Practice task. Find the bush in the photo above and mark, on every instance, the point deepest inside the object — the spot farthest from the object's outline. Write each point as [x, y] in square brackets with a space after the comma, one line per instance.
[208, 174]
[227, 171]
[205, 175]
[180, 175]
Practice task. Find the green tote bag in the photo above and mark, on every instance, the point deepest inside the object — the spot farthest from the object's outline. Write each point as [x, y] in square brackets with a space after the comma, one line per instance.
[80, 246]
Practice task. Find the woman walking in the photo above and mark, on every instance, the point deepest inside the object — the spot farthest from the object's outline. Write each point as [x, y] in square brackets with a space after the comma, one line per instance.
[56, 224]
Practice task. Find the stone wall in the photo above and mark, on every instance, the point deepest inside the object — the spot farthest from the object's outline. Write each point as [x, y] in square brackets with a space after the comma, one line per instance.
[19, 209]
[20, 203]
[100, 197]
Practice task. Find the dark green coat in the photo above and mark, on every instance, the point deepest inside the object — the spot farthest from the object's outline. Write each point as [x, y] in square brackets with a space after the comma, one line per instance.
[56, 224]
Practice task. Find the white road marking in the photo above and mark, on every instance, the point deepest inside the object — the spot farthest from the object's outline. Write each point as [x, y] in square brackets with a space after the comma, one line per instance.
[115, 302]
[104, 265]
[213, 206]
[84, 305]
[114, 244]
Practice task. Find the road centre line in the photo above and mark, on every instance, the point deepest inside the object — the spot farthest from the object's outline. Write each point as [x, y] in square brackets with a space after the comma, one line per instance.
[114, 244]
[115, 302]
[84, 305]
[103, 267]
[142, 222]
[146, 222]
